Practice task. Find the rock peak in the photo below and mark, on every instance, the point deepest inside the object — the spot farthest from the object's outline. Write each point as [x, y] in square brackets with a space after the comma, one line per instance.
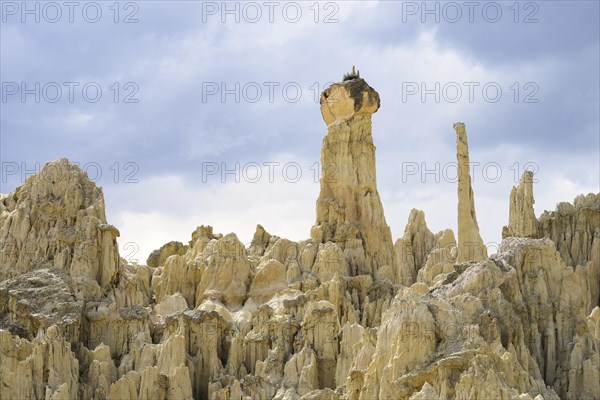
[470, 244]
[521, 217]
[459, 125]
[344, 100]
[56, 219]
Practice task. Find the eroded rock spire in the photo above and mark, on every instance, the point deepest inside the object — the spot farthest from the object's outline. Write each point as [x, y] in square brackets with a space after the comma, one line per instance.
[349, 210]
[470, 244]
[521, 217]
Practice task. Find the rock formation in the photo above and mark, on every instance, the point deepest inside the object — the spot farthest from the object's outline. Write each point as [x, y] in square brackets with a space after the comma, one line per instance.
[574, 229]
[341, 315]
[56, 219]
[470, 244]
[412, 249]
[349, 210]
[521, 217]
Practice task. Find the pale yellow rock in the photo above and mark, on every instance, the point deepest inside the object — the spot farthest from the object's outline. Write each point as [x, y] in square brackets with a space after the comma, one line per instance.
[420, 322]
[575, 228]
[178, 276]
[301, 372]
[101, 372]
[440, 261]
[62, 393]
[412, 249]
[158, 257]
[349, 210]
[260, 241]
[201, 237]
[34, 370]
[470, 244]
[172, 363]
[134, 286]
[351, 335]
[118, 328]
[427, 392]
[125, 388]
[153, 385]
[342, 101]
[227, 273]
[594, 322]
[270, 279]
[287, 253]
[56, 219]
[330, 261]
[341, 315]
[171, 304]
[321, 394]
[320, 327]
[521, 218]
[557, 299]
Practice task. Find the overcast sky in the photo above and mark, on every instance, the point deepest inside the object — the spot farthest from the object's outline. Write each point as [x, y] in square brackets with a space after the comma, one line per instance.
[191, 113]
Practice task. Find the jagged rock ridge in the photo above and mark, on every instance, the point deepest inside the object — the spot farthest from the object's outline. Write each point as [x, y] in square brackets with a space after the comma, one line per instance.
[345, 314]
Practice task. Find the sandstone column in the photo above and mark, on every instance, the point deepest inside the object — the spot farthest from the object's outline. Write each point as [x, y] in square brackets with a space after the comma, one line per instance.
[521, 217]
[349, 210]
[470, 244]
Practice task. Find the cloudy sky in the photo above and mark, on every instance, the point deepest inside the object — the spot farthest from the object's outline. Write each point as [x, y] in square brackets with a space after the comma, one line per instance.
[191, 113]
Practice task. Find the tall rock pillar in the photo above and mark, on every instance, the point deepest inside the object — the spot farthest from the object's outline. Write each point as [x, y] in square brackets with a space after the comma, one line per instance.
[470, 244]
[349, 210]
[521, 217]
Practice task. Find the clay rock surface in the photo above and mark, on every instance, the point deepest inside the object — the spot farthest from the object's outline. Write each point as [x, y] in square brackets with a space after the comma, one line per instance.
[56, 219]
[37, 300]
[574, 229]
[470, 244]
[521, 218]
[349, 210]
[412, 249]
[341, 101]
[158, 257]
[341, 315]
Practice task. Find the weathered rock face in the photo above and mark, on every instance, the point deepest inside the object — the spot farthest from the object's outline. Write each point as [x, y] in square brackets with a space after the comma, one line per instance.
[337, 316]
[470, 244]
[344, 100]
[44, 368]
[56, 219]
[412, 249]
[575, 229]
[501, 321]
[349, 210]
[440, 262]
[37, 300]
[521, 217]
[556, 305]
[158, 257]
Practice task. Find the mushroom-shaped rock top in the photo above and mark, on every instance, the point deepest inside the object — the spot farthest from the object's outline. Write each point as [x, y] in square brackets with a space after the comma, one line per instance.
[343, 100]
